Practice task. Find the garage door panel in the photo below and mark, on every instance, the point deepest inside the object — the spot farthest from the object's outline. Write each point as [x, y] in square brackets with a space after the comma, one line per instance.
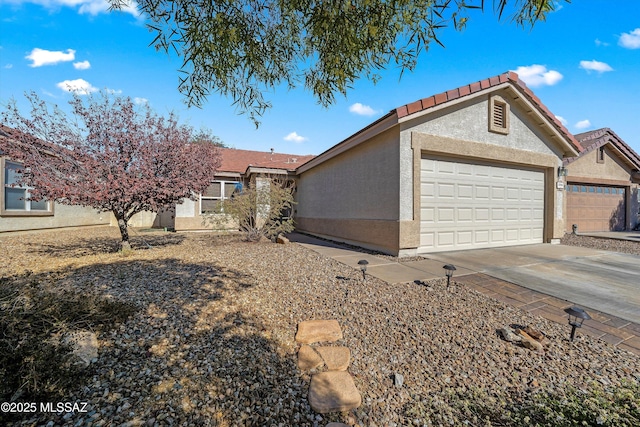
[596, 207]
[479, 206]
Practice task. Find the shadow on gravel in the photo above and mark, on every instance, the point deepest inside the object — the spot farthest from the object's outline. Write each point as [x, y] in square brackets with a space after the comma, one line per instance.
[103, 245]
[176, 347]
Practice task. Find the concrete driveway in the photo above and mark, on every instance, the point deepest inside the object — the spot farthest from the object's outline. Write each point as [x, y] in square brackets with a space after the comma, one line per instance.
[605, 281]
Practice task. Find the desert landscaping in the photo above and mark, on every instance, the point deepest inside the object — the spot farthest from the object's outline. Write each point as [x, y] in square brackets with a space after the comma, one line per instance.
[199, 329]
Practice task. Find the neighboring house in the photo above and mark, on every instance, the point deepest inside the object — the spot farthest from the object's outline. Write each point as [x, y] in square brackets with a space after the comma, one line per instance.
[602, 184]
[238, 168]
[17, 213]
[473, 167]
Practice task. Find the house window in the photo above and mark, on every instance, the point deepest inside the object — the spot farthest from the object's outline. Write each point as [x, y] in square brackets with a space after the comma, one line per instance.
[211, 201]
[15, 198]
[600, 158]
[498, 115]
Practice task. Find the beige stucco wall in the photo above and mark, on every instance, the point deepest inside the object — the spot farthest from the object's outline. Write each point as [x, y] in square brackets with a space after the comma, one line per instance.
[354, 196]
[588, 168]
[461, 132]
[613, 171]
[64, 216]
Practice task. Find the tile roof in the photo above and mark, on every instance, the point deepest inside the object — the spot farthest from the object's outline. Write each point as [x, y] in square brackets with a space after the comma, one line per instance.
[470, 89]
[234, 160]
[597, 138]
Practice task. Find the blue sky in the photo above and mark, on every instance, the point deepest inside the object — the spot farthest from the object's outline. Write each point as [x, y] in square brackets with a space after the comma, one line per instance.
[583, 63]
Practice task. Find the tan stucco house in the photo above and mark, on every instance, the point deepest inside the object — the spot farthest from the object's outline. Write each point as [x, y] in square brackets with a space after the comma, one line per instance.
[474, 167]
[483, 165]
[238, 168]
[602, 184]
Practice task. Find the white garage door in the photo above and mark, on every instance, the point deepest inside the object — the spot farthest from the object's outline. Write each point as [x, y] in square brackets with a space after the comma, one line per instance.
[469, 206]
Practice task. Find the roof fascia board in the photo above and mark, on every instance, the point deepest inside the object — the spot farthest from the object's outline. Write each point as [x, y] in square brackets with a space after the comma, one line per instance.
[257, 169]
[384, 123]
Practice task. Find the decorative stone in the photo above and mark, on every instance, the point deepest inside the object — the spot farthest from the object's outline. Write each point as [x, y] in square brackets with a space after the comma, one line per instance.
[308, 358]
[529, 342]
[337, 425]
[311, 331]
[536, 335]
[333, 391]
[282, 240]
[398, 380]
[509, 335]
[336, 358]
[84, 345]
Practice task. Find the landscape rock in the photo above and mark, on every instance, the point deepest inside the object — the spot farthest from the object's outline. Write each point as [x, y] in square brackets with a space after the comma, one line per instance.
[311, 331]
[536, 335]
[398, 380]
[84, 346]
[282, 240]
[308, 358]
[509, 335]
[336, 358]
[333, 391]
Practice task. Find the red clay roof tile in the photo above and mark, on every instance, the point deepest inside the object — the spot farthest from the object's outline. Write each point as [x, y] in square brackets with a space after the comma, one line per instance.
[234, 160]
[428, 102]
[508, 77]
[402, 111]
[414, 107]
[440, 98]
[452, 94]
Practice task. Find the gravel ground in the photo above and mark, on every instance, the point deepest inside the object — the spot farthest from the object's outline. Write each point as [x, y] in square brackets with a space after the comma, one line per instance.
[615, 245]
[212, 341]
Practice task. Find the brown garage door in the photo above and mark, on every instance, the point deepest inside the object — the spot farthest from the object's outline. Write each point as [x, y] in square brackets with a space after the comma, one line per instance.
[595, 208]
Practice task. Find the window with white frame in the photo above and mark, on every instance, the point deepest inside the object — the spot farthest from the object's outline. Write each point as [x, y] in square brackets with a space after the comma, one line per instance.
[211, 201]
[15, 198]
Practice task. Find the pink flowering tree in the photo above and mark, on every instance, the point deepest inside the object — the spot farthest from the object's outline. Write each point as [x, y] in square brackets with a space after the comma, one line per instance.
[108, 154]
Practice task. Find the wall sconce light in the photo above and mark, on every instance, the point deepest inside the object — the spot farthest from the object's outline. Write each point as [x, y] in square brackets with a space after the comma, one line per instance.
[449, 269]
[562, 171]
[363, 267]
[576, 317]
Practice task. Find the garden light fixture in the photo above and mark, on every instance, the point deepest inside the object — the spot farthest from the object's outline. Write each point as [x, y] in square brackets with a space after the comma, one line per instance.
[449, 269]
[363, 267]
[576, 316]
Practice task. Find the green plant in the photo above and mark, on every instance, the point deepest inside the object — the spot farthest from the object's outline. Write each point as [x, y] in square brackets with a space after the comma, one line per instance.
[262, 209]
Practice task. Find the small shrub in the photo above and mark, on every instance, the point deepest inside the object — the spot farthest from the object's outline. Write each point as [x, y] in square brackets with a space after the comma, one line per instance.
[262, 209]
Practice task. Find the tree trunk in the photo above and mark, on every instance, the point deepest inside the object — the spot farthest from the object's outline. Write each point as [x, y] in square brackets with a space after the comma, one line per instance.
[124, 232]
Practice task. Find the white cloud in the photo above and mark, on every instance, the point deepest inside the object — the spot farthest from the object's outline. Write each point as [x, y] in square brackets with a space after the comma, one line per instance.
[80, 86]
[630, 40]
[598, 42]
[562, 120]
[537, 75]
[362, 110]
[583, 124]
[294, 137]
[140, 101]
[114, 91]
[82, 65]
[90, 7]
[8, 66]
[42, 57]
[600, 67]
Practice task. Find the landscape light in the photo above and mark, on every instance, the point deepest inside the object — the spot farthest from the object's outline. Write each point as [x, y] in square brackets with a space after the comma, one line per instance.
[576, 317]
[449, 269]
[363, 267]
